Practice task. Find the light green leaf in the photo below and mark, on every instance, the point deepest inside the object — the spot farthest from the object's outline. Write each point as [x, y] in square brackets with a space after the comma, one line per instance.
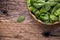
[51, 0]
[44, 17]
[53, 17]
[38, 5]
[28, 3]
[57, 12]
[40, 1]
[55, 8]
[32, 9]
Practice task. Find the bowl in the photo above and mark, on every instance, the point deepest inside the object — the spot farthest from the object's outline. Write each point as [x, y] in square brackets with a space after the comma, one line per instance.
[40, 20]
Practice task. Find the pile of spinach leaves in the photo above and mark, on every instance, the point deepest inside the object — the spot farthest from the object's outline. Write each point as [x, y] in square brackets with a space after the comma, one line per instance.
[47, 11]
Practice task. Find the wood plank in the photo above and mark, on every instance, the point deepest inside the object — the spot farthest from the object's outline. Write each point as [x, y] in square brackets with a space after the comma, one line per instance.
[27, 30]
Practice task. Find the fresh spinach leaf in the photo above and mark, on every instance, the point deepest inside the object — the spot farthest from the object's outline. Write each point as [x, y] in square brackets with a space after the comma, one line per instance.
[57, 13]
[44, 16]
[37, 13]
[38, 5]
[32, 9]
[20, 19]
[53, 17]
[45, 8]
[55, 8]
[28, 3]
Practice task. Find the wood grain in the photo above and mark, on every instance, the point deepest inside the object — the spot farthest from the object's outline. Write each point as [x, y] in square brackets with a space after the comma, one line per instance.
[27, 30]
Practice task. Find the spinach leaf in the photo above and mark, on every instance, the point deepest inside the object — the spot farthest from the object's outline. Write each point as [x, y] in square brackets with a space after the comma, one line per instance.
[28, 3]
[53, 17]
[44, 16]
[57, 0]
[59, 17]
[33, 1]
[32, 9]
[38, 5]
[21, 19]
[45, 8]
[40, 1]
[51, 0]
[37, 13]
[51, 3]
[57, 12]
[55, 8]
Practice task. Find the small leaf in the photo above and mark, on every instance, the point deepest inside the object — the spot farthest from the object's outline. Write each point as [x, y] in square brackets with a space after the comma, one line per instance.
[38, 5]
[32, 9]
[55, 8]
[44, 17]
[28, 3]
[40, 1]
[57, 12]
[37, 13]
[21, 19]
[45, 8]
[51, 0]
[53, 17]
[51, 3]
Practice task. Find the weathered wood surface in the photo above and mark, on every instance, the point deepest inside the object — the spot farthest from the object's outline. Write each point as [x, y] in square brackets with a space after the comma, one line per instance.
[27, 30]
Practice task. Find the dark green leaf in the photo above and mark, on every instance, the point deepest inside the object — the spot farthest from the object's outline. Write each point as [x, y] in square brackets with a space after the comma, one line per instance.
[21, 19]
[59, 17]
[37, 13]
[44, 16]
[57, 0]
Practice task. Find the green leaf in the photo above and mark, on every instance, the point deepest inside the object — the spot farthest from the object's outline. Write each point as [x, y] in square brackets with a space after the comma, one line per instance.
[40, 1]
[28, 3]
[59, 17]
[51, 0]
[55, 8]
[53, 17]
[21, 19]
[51, 3]
[32, 9]
[33, 1]
[57, 0]
[38, 5]
[44, 17]
[45, 8]
[51, 21]
[37, 13]
[57, 12]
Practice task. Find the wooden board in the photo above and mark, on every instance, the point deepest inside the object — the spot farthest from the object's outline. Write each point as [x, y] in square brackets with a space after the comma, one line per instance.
[29, 29]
